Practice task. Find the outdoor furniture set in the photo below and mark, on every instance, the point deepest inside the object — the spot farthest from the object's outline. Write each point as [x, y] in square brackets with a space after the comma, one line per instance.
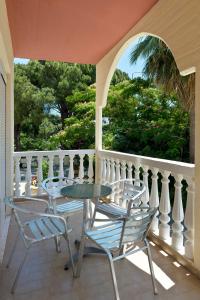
[124, 221]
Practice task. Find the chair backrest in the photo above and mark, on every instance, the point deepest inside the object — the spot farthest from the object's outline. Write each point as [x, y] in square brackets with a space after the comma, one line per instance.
[136, 226]
[128, 192]
[53, 185]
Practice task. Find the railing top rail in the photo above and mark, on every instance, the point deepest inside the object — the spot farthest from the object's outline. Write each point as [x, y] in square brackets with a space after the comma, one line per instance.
[174, 167]
[54, 152]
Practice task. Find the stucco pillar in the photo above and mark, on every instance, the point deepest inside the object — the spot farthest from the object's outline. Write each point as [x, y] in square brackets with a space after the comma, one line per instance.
[197, 171]
[98, 142]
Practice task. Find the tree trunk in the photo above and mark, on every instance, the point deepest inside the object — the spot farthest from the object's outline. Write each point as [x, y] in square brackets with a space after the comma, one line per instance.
[17, 137]
[192, 134]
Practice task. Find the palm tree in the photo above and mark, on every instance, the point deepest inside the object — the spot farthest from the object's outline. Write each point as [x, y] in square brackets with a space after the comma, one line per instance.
[161, 68]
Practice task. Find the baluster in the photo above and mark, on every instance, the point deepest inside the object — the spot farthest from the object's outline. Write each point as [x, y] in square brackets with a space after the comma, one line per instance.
[154, 198]
[108, 171]
[137, 173]
[17, 176]
[61, 169]
[112, 174]
[81, 169]
[28, 176]
[40, 175]
[165, 208]
[189, 219]
[50, 172]
[90, 168]
[130, 170]
[177, 215]
[71, 166]
[103, 163]
[145, 197]
[123, 169]
[117, 186]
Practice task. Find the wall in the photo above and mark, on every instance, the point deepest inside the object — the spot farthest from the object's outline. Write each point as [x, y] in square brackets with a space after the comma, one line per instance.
[6, 68]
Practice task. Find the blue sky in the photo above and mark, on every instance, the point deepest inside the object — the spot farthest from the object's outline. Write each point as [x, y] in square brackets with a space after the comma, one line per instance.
[123, 64]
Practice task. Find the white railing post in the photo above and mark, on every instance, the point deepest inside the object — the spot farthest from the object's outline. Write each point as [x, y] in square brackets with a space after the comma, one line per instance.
[17, 176]
[61, 170]
[123, 169]
[165, 208]
[28, 175]
[154, 198]
[108, 171]
[137, 173]
[40, 175]
[71, 166]
[177, 215]
[90, 169]
[81, 169]
[145, 198]
[103, 168]
[50, 172]
[130, 170]
[189, 220]
[112, 173]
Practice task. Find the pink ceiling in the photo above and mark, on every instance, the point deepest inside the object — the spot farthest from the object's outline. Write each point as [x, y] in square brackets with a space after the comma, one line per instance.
[71, 30]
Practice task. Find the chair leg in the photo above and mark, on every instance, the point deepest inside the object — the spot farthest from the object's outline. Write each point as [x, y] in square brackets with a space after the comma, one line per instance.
[57, 243]
[18, 272]
[12, 251]
[70, 253]
[80, 257]
[151, 268]
[114, 280]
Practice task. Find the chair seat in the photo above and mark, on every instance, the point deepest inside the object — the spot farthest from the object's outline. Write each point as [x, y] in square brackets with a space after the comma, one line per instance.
[45, 228]
[69, 207]
[111, 209]
[107, 236]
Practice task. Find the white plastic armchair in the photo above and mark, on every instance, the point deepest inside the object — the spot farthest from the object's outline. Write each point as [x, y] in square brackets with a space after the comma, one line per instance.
[115, 234]
[40, 227]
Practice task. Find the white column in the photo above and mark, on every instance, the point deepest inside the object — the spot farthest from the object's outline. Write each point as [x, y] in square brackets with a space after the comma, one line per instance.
[145, 198]
[90, 168]
[108, 171]
[154, 198]
[71, 167]
[165, 208]
[61, 170]
[189, 219]
[40, 175]
[103, 168]
[81, 169]
[112, 174]
[98, 139]
[50, 172]
[17, 176]
[130, 170]
[28, 176]
[177, 215]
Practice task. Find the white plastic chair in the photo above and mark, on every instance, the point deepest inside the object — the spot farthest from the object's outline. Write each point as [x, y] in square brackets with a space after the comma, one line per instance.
[39, 228]
[119, 232]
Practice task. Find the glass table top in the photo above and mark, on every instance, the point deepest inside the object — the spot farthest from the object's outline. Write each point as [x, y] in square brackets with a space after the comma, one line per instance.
[86, 191]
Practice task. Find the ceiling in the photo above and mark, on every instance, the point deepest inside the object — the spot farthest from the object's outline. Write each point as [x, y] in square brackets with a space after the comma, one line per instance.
[81, 31]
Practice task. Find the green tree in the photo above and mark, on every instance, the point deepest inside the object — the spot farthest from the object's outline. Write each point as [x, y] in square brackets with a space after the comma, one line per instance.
[161, 68]
[30, 106]
[144, 120]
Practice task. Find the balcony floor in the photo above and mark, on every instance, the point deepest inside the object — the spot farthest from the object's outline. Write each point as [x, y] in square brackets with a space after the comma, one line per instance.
[43, 276]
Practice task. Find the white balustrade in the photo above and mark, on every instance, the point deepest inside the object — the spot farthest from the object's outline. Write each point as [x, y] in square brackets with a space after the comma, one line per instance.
[170, 223]
[165, 208]
[59, 163]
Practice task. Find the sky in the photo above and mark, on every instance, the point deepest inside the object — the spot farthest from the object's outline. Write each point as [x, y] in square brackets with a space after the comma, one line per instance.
[123, 64]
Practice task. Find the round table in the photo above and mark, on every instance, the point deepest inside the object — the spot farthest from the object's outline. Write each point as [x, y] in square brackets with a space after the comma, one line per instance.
[86, 192]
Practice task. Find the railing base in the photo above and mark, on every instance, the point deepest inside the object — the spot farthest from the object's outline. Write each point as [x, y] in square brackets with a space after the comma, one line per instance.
[188, 264]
